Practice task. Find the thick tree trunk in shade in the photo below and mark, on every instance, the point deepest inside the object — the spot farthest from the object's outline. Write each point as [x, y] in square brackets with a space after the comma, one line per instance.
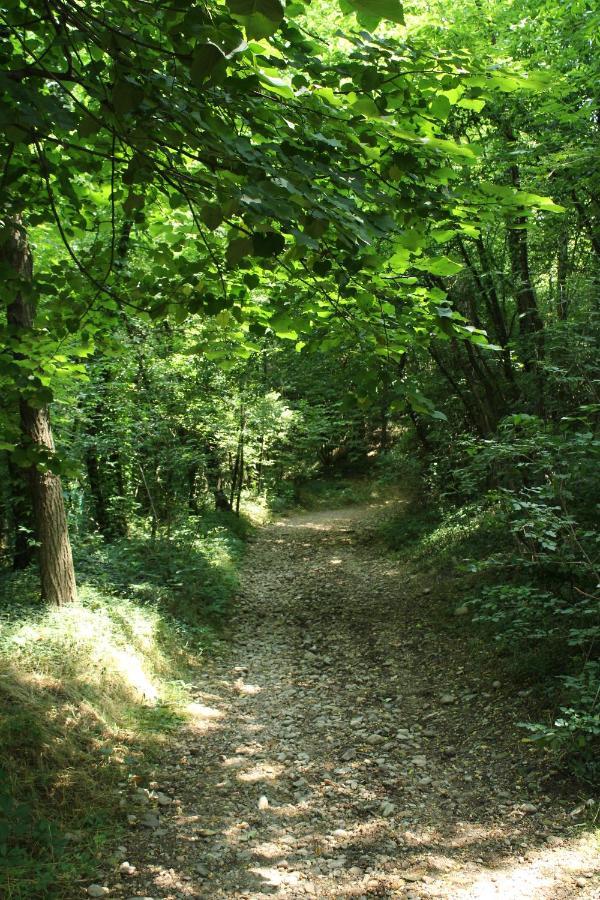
[56, 561]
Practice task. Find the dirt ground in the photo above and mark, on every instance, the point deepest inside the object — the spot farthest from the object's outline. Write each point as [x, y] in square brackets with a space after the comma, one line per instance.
[343, 746]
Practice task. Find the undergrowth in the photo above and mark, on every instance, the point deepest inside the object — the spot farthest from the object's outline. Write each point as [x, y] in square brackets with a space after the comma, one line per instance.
[335, 491]
[89, 692]
[515, 544]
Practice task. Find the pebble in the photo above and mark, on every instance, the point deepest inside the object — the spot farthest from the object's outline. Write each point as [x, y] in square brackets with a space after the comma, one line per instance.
[97, 890]
[336, 806]
[150, 820]
[127, 869]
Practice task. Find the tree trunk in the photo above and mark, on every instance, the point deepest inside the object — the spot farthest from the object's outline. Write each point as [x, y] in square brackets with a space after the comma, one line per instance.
[531, 325]
[100, 513]
[530, 321]
[56, 561]
[562, 271]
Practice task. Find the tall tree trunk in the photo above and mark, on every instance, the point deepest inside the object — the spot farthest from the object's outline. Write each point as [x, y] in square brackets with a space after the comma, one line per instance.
[420, 431]
[562, 271]
[100, 512]
[530, 321]
[56, 560]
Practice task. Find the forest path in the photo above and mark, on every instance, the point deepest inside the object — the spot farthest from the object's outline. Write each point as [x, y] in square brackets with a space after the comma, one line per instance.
[344, 747]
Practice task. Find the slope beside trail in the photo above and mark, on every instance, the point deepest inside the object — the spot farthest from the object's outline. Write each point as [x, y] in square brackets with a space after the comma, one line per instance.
[342, 747]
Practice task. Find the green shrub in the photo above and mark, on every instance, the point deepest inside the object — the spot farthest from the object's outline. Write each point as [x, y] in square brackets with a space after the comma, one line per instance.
[575, 733]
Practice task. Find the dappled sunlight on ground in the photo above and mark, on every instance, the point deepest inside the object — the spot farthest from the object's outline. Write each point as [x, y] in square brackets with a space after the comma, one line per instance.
[321, 762]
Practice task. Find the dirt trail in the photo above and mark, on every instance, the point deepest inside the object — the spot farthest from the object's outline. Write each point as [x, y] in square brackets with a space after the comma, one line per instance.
[344, 748]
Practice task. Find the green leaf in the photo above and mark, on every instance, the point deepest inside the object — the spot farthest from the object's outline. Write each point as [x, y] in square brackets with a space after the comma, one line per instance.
[476, 105]
[133, 202]
[276, 85]
[237, 249]
[251, 280]
[374, 10]
[366, 107]
[17, 135]
[269, 244]
[260, 18]
[440, 266]
[284, 327]
[440, 107]
[441, 235]
[211, 215]
[208, 62]
[126, 97]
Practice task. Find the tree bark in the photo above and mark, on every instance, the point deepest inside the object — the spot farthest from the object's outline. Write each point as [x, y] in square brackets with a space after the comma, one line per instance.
[56, 561]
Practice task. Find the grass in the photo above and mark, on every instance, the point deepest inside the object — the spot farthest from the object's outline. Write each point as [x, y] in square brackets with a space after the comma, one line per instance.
[332, 493]
[90, 692]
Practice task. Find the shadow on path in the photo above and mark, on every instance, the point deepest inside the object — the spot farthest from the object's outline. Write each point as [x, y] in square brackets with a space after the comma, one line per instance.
[343, 748]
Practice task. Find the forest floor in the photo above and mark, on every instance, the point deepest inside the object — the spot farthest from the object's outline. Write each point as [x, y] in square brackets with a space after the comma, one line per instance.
[344, 745]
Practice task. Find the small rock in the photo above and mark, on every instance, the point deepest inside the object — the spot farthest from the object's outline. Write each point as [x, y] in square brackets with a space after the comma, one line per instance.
[447, 698]
[97, 890]
[263, 802]
[336, 863]
[528, 808]
[580, 882]
[150, 820]
[355, 871]
[554, 840]
[496, 684]
[127, 869]
[461, 611]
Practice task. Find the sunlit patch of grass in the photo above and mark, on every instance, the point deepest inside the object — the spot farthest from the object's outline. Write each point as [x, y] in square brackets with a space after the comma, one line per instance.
[429, 533]
[325, 493]
[256, 510]
[90, 692]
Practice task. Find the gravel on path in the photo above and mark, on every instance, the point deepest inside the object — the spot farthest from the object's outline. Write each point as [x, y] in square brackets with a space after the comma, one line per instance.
[341, 746]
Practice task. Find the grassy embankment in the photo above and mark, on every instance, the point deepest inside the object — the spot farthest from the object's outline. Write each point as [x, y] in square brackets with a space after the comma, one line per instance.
[89, 693]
